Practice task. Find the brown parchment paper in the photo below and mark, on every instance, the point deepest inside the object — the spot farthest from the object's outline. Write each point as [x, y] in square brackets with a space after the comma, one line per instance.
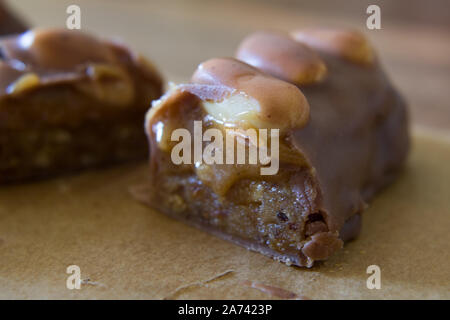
[126, 250]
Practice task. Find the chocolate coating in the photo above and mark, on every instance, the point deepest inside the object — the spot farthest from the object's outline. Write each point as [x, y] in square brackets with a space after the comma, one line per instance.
[58, 50]
[364, 131]
[357, 119]
[282, 57]
[101, 70]
[282, 105]
[69, 57]
[349, 44]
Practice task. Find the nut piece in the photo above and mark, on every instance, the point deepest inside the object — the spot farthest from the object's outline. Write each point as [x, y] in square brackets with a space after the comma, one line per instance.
[251, 98]
[8, 75]
[23, 83]
[109, 83]
[351, 45]
[282, 57]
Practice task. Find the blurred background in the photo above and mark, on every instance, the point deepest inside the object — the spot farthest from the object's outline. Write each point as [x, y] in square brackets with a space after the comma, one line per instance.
[177, 35]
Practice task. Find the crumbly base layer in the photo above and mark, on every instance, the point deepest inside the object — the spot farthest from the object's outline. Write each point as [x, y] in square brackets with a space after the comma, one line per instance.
[266, 216]
[37, 153]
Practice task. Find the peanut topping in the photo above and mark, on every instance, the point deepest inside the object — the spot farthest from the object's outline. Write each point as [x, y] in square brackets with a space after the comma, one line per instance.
[26, 82]
[56, 49]
[101, 69]
[109, 83]
[351, 45]
[254, 99]
[282, 57]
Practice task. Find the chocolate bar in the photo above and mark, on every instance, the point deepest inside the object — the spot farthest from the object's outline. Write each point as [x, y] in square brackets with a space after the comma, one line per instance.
[70, 101]
[281, 149]
[9, 23]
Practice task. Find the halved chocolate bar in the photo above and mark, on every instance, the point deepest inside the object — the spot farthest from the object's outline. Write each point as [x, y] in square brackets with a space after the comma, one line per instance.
[281, 164]
[70, 101]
